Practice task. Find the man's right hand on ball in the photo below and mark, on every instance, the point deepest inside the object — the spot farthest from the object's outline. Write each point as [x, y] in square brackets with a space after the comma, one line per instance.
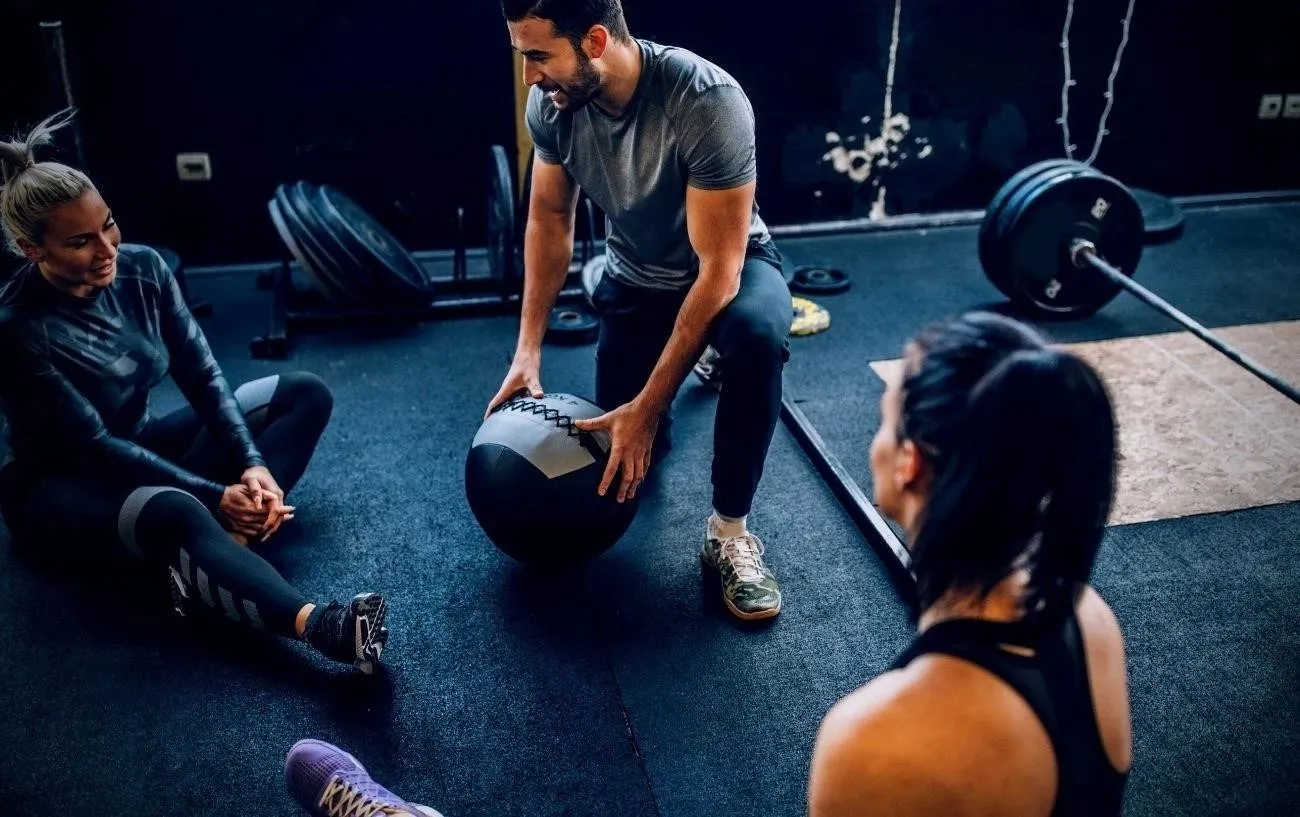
[524, 375]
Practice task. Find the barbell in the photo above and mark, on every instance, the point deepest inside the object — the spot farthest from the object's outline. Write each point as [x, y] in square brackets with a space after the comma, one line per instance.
[1061, 239]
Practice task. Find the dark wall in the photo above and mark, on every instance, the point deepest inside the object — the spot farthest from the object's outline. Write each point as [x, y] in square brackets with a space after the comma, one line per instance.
[981, 84]
[397, 102]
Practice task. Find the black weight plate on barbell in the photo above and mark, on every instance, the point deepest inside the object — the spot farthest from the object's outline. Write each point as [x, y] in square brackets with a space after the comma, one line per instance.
[1000, 270]
[287, 225]
[999, 200]
[1038, 233]
[392, 268]
[502, 240]
[811, 279]
[319, 245]
[571, 325]
[1162, 219]
[997, 242]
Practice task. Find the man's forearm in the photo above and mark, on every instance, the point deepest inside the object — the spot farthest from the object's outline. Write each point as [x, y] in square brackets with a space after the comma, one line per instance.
[709, 295]
[548, 249]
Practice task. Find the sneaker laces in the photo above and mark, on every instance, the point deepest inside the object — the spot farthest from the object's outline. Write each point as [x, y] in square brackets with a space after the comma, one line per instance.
[351, 798]
[745, 554]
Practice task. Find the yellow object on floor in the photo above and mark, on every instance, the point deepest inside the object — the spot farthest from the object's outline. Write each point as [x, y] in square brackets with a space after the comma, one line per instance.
[809, 318]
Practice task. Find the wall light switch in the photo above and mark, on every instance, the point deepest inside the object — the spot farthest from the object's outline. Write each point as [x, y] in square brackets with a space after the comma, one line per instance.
[193, 167]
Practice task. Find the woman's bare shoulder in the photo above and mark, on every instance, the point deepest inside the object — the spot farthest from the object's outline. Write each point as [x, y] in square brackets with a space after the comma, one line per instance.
[940, 736]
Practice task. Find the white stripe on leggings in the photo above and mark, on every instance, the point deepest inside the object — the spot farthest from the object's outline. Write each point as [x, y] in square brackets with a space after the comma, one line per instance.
[228, 602]
[130, 514]
[204, 589]
[250, 610]
[256, 394]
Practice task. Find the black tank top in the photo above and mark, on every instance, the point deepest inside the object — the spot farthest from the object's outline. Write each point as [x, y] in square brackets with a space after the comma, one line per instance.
[1054, 682]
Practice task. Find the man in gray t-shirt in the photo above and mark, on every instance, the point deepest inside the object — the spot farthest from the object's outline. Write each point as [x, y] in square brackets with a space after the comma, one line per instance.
[663, 142]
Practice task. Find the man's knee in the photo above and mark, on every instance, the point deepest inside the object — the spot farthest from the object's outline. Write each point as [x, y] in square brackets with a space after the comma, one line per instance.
[754, 339]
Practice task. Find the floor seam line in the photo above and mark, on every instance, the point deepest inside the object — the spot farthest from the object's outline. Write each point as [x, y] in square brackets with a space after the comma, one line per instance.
[631, 733]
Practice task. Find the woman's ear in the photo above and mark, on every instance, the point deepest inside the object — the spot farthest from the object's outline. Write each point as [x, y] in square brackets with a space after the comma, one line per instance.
[32, 252]
[909, 467]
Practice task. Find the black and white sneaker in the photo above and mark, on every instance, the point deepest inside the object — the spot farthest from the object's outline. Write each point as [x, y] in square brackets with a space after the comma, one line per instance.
[353, 634]
[180, 593]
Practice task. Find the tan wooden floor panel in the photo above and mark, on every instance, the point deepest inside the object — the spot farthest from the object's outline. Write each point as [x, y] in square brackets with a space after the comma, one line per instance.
[1198, 434]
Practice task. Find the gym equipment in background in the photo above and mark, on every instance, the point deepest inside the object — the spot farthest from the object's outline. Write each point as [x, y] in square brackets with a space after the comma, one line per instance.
[531, 480]
[345, 268]
[1059, 239]
[811, 279]
[1067, 240]
[1162, 218]
[573, 325]
[810, 318]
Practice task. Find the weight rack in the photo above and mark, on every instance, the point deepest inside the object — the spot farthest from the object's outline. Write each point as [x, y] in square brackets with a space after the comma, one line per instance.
[296, 308]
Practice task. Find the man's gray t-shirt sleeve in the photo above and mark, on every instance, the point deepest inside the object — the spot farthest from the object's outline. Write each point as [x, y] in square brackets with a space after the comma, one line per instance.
[716, 139]
[540, 130]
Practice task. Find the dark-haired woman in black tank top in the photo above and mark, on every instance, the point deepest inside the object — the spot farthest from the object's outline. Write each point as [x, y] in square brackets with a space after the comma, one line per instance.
[997, 454]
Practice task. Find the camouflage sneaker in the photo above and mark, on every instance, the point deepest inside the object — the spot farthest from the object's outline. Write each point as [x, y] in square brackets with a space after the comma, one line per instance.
[749, 587]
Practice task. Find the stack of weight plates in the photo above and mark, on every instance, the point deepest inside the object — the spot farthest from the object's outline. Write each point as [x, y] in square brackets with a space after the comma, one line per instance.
[348, 256]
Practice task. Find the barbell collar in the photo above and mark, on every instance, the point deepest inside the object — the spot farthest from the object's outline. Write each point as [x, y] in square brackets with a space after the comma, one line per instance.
[1078, 247]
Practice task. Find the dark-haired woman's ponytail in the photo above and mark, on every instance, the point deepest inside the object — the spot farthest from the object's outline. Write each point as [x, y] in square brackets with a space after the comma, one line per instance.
[1026, 480]
[1078, 506]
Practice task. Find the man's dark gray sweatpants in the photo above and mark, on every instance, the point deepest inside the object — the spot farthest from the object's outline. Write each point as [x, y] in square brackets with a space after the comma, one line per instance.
[752, 336]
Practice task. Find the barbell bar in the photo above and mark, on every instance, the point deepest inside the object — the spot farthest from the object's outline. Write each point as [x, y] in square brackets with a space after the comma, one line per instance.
[1065, 240]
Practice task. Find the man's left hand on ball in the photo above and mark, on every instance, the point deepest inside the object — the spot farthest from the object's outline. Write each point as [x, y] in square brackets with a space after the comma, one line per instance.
[631, 428]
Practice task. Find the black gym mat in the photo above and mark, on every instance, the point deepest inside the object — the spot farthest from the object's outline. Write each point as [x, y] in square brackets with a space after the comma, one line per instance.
[627, 689]
[1208, 609]
[726, 712]
[507, 694]
[500, 698]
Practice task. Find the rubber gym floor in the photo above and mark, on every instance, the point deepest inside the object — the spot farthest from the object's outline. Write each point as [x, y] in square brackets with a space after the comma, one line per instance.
[625, 688]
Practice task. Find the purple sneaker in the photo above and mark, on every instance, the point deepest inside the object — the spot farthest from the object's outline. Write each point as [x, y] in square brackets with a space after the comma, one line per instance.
[328, 782]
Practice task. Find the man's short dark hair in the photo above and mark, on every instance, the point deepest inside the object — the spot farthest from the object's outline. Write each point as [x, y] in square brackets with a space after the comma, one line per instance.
[572, 18]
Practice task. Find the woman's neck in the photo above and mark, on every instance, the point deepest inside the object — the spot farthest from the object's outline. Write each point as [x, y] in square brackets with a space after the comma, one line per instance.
[76, 290]
[1003, 603]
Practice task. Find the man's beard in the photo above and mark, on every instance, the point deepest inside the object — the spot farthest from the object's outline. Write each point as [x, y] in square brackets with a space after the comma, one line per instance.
[585, 86]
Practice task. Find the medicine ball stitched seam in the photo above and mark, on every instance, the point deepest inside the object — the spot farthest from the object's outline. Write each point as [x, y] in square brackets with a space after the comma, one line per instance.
[561, 421]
